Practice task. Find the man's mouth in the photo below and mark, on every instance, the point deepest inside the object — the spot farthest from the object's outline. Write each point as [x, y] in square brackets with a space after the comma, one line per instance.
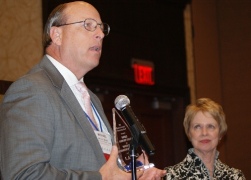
[96, 48]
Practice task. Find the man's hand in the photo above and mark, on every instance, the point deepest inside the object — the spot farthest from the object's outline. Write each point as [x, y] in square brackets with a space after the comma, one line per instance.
[153, 174]
[111, 171]
[150, 173]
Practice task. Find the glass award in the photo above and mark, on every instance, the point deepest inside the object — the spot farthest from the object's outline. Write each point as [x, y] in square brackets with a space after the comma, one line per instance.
[123, 138]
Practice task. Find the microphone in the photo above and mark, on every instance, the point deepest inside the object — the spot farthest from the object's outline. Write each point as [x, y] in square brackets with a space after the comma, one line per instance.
[122, 103]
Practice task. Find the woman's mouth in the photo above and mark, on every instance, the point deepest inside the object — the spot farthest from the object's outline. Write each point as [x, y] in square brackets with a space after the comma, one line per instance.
[205, 141]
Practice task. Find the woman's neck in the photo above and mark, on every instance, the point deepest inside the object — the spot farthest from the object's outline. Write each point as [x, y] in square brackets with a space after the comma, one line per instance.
[208, 159]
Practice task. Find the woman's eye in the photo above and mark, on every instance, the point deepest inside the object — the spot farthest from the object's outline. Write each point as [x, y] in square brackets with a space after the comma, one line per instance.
[211, 126]
[196, 126]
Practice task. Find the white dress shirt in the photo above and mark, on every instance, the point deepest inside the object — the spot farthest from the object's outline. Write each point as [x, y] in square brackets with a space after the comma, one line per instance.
[71, 80]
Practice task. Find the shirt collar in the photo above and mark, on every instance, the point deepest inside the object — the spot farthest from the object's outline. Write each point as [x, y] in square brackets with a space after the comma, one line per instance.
[69, 77]
[192, 153]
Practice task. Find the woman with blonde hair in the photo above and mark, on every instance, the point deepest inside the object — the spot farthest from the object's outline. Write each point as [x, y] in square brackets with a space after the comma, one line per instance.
[205, 125]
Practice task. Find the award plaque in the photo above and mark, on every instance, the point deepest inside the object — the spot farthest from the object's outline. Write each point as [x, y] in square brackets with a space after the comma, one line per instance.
[123, 140]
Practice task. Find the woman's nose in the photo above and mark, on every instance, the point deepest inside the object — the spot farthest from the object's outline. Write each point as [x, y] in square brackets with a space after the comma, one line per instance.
[204, 131]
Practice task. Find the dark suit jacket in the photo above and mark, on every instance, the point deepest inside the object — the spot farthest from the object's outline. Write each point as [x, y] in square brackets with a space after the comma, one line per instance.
[44, 132]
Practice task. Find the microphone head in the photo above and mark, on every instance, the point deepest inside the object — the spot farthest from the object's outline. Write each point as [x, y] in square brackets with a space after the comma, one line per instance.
[121, 101]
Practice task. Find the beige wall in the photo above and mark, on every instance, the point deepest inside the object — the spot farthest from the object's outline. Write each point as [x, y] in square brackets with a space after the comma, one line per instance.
[222, 70]
[20, 34]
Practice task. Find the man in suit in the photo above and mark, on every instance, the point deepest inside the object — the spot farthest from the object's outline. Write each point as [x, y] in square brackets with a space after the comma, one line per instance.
[45, 132]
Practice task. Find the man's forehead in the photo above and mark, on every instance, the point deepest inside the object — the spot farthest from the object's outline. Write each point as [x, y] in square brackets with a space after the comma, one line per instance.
[79, 6]
[81, 10]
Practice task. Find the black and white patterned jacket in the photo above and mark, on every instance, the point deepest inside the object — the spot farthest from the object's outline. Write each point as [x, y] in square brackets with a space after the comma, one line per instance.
[192, 168]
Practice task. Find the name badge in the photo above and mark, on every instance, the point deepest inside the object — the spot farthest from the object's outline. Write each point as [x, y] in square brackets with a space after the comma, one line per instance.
[104, 141]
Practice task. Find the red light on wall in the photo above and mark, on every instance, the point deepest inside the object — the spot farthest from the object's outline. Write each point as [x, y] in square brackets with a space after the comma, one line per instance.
[143, 74]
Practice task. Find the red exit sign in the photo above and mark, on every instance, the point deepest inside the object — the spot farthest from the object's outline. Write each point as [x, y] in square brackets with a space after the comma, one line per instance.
[143, 72]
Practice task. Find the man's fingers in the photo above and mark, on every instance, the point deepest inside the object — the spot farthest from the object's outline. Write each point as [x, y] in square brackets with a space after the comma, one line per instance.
[139, 173]
[114, 154]
[153, 173]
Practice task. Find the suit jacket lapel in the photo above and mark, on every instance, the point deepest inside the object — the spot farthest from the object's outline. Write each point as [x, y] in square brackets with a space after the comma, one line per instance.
[68, 97]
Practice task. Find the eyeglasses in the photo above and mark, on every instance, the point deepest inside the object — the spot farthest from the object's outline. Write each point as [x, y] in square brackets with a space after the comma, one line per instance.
[91, 25]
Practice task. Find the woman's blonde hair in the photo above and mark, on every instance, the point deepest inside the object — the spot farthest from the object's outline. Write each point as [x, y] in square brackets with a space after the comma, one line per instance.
[205, 105]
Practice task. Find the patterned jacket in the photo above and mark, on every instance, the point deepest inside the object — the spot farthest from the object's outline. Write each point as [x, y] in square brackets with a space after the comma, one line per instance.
[193, 168]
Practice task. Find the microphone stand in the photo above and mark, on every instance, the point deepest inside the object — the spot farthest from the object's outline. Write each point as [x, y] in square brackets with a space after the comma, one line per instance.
[133, 159]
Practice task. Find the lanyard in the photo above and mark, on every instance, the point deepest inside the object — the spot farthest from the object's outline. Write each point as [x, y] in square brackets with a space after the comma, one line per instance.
[98, 117]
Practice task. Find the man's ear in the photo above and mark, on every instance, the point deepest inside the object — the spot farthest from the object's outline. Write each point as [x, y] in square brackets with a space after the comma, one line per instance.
[56, 34]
